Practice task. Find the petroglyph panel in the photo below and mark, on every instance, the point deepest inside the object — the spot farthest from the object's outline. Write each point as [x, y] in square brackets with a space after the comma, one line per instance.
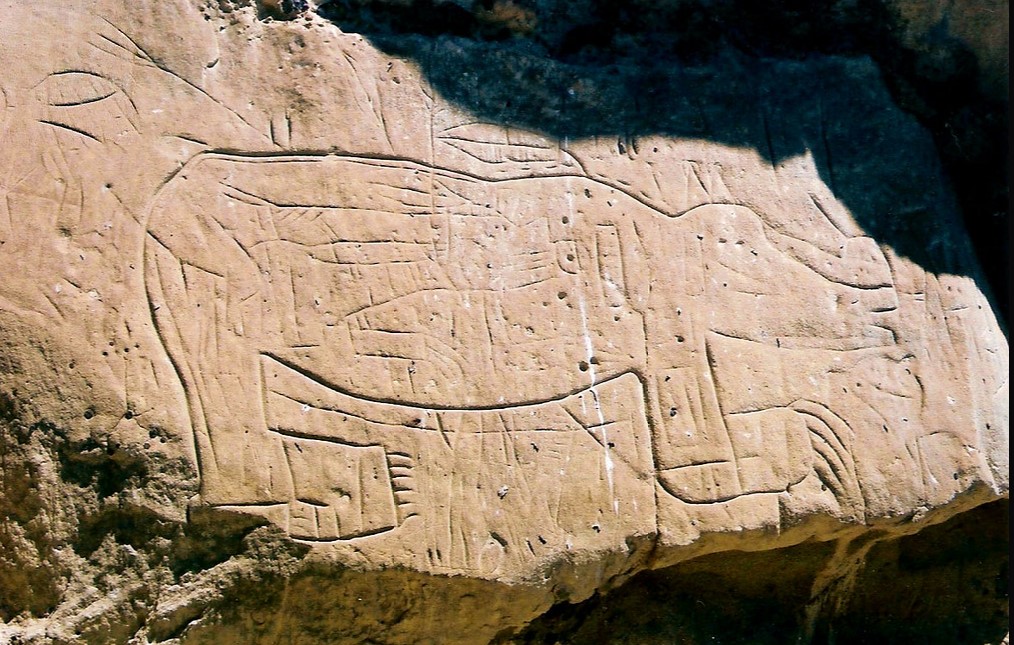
[401, 332]
[444, 321]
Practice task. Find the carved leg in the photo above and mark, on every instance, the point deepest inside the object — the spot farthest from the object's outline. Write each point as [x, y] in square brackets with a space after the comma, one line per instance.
[341, 491]
[693, 454]
[239, 460]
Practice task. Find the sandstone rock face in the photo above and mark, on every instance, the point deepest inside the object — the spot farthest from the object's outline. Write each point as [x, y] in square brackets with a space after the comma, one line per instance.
[279, 310]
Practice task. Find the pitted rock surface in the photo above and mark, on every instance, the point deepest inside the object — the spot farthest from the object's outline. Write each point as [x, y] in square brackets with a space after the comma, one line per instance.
[276, 309]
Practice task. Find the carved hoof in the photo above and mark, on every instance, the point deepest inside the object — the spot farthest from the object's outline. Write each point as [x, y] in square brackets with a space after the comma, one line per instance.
[343, 491]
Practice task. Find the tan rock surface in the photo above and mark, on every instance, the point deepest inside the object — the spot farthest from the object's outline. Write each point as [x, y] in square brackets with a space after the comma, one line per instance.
[261, 272]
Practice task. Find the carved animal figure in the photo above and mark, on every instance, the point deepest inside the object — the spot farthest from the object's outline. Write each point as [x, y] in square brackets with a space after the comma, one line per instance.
[370, 300]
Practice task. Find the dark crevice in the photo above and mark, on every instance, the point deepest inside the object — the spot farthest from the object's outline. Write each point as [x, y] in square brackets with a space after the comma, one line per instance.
[8, 408]
[135, 527]
[210, 537]
[103, 465]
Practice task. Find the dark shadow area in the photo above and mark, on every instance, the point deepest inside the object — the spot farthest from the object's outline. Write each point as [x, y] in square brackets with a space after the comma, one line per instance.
[778, 77]
[946, 584]
[736, 597]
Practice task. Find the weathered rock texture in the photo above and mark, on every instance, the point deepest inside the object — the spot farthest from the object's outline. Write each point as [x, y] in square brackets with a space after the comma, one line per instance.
[309, 336]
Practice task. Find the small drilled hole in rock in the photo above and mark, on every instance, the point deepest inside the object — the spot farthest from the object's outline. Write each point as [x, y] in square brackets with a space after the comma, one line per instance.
[561, 295]
[672, 412]
[89, 414]
[128, 415]
[565, 220]
[583, 366]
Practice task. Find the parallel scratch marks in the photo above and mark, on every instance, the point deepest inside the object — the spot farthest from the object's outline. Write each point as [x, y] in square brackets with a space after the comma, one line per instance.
[138, 55]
